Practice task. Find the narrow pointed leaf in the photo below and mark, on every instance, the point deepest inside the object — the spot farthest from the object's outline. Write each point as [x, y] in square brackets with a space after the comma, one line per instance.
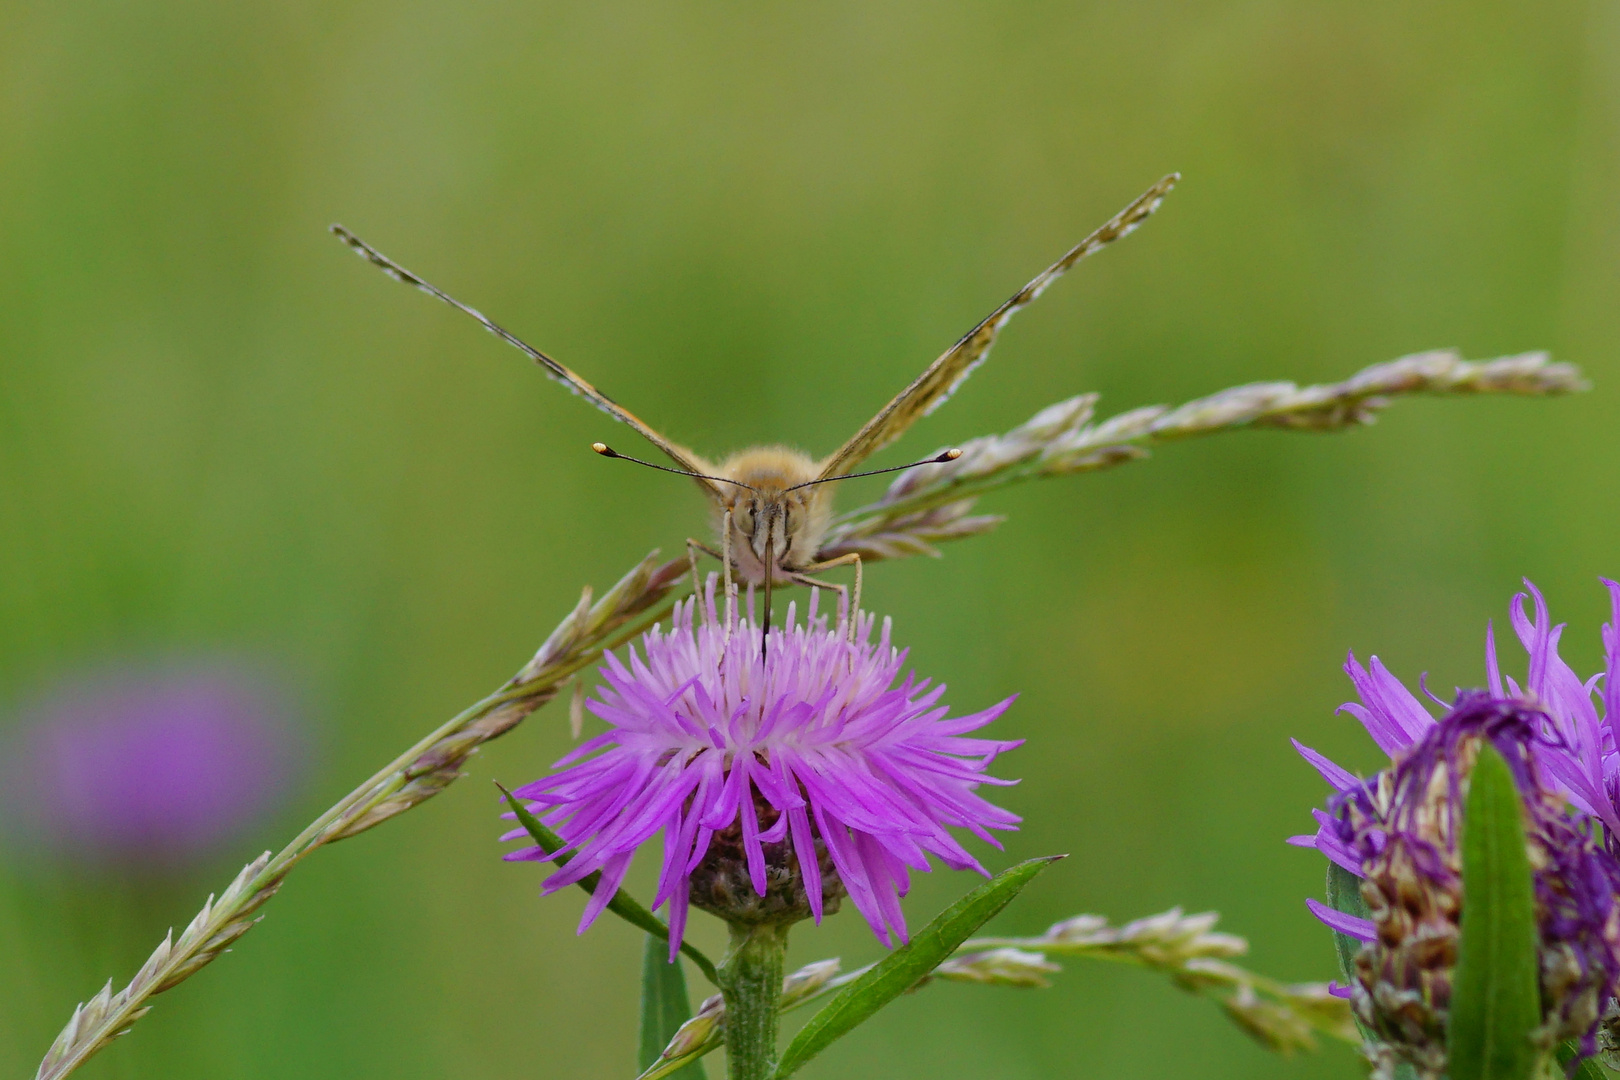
[664, 1005]
[1495, 1000]
[623, 904]
[906, 966]
[1588, 1069]
[1344, 894]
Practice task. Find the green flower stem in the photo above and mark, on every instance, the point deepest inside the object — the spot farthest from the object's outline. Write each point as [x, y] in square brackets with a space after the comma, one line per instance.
[751, 983]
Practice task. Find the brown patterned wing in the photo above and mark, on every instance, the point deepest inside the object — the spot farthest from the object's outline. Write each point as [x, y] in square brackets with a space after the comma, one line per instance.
[677, 453]
[935, 385]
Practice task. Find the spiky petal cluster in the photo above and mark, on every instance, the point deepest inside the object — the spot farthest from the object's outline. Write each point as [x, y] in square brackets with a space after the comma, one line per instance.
[758, 768]
[1398, 831]
[1578, 753]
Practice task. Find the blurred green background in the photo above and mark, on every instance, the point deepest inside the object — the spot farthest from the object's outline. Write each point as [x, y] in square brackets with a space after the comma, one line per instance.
[220, 431]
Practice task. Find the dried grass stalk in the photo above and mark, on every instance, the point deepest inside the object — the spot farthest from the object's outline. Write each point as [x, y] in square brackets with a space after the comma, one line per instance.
[932, 503]
[1280, 1016]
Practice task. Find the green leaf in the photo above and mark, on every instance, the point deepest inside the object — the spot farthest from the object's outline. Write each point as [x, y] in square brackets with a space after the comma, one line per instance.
[623, 904]
[1344, 894]
[664, 1005]
[1495, 999]
[1588, 1069]
[906, 966]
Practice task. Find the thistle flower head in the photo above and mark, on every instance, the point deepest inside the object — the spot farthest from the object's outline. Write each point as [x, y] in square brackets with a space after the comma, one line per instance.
[780, 781]
[1398, 831]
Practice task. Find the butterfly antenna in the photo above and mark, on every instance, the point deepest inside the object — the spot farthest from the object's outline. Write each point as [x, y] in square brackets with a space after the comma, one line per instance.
[940, 459]
[608, 452]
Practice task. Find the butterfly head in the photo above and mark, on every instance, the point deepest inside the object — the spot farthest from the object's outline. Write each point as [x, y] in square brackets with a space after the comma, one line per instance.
[775, 522]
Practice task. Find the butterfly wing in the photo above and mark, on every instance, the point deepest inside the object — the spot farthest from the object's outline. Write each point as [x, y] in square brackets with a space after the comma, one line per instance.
[677, 453]
[943, 376]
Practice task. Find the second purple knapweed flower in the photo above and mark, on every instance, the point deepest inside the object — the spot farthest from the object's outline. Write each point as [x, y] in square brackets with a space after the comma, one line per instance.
[1398, 832]
[780, 782]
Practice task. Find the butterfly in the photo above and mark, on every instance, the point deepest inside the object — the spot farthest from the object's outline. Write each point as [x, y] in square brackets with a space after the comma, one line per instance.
[772, 503]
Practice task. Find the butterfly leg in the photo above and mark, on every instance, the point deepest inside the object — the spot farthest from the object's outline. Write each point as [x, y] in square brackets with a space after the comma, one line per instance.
[692, 548]
[855, 603]
[817, 583]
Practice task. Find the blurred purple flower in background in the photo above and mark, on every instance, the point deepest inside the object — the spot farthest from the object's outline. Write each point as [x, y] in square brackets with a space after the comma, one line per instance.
[147, 767]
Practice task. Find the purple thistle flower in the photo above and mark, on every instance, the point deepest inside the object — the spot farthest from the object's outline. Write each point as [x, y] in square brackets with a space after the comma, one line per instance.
[148, 767]
[1398, 832]
[757, 767]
